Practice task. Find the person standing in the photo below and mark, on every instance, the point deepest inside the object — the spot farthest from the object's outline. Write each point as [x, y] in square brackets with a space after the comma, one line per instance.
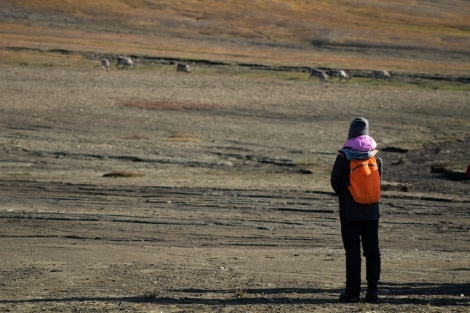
[359, 216]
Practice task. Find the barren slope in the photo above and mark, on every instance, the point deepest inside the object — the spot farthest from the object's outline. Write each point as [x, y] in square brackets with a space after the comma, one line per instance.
[423, 36]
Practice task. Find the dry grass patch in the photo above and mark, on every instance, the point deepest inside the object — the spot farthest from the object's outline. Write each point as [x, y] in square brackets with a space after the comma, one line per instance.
[35, 58]
[267, 32]
[424, 22]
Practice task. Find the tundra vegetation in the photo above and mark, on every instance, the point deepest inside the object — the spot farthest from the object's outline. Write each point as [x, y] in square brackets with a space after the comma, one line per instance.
[422, 37]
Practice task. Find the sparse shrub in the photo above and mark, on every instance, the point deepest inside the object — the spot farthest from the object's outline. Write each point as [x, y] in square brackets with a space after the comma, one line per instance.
[150, 295]
[240, 294]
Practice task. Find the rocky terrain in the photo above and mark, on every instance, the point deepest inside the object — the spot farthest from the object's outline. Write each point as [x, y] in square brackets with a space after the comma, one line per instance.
[158, 191]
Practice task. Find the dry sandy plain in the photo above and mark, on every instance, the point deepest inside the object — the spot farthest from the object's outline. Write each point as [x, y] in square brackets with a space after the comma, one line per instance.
[149, 190]
[158, 191]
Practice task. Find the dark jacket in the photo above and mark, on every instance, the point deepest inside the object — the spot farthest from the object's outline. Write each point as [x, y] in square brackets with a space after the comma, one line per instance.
[348, 209]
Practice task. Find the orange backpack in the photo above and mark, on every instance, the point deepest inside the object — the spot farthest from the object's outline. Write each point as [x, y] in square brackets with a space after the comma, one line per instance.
[364, 180]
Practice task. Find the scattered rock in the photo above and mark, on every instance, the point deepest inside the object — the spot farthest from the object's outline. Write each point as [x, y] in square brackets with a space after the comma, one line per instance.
[395, 186]
[450, 170]
[305, 171]
[456, 175]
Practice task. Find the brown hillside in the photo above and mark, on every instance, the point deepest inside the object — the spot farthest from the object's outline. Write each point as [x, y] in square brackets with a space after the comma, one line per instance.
[419, 31]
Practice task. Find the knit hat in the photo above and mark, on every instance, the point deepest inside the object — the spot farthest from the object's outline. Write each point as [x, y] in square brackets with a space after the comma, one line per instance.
[359, 126]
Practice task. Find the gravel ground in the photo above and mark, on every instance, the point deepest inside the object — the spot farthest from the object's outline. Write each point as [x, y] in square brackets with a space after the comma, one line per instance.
[148, 191]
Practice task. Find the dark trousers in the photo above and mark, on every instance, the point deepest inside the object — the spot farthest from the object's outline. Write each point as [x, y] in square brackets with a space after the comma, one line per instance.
[353, 233]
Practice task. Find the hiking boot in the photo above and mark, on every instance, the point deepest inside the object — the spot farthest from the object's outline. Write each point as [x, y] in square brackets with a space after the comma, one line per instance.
[345, 297]
[372, 296]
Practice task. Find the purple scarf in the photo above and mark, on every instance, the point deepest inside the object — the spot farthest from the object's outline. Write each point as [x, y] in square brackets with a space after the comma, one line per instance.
[362, 143]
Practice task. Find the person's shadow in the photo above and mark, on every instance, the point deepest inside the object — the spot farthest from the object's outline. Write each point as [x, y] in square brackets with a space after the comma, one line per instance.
[412, 293]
